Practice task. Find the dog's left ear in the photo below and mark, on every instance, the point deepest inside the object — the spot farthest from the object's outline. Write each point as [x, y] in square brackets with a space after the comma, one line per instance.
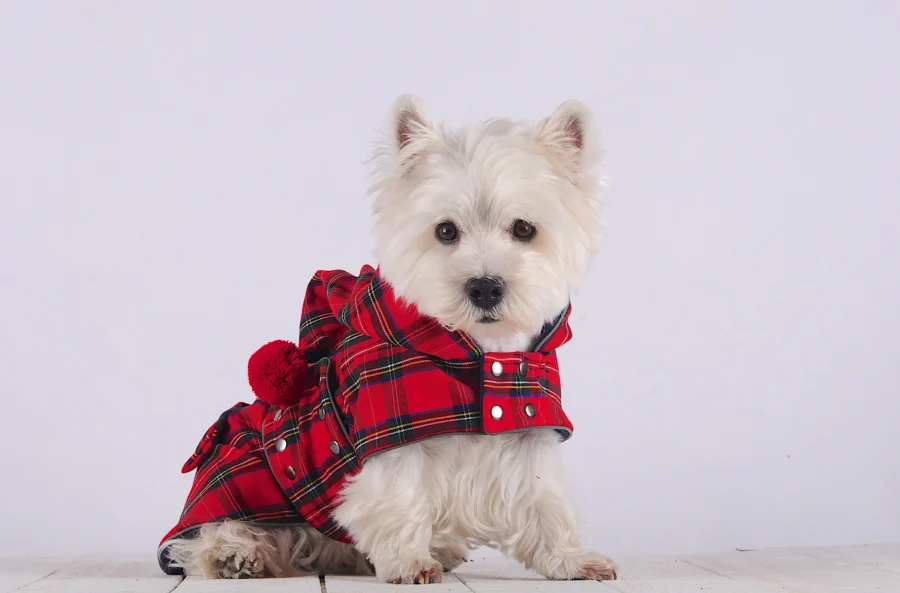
[413, 135]
[568, 135]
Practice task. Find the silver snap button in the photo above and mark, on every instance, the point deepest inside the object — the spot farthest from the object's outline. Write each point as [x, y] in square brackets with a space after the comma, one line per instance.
[530, 411]
[335, 448]
[280, 445]
[290, 473]
[497, 368]
[496, 412]
[322, 412]
[277, 415]
[523, 368]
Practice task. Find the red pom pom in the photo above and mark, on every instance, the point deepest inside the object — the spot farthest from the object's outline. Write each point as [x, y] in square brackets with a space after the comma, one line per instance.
[277, 373]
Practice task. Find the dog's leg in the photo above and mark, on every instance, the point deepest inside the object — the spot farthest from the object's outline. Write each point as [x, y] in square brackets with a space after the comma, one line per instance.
[548, 540]
[386, 508]
[450, 553]
[230, 550]
[549, 544]
[240, 550]
[308, 551]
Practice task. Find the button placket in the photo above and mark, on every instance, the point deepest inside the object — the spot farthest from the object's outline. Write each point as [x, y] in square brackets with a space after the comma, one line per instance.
[281, 444]
[323, 387]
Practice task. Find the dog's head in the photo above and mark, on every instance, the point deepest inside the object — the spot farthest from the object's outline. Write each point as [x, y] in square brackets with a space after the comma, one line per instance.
[488, 228]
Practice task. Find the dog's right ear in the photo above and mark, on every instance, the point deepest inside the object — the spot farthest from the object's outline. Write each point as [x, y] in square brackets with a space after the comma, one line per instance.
[413, 135]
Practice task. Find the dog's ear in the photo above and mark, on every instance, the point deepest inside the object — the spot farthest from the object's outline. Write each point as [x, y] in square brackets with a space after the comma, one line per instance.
[568, 135]
[413, 135]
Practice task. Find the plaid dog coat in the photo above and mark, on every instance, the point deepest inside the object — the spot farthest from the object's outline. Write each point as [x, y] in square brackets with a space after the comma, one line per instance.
[380, 375]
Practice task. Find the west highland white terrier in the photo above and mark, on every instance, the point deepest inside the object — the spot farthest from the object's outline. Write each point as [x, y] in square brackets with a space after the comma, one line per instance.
[482, 235]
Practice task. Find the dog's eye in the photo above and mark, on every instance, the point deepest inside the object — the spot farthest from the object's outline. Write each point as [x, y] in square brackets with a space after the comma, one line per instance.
[446, 233]
[523, 231]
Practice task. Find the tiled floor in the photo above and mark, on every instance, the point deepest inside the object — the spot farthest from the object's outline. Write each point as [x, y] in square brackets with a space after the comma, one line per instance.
[863, 569]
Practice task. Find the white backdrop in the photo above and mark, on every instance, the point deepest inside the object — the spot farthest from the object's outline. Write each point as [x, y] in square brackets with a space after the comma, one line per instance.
[171, 175]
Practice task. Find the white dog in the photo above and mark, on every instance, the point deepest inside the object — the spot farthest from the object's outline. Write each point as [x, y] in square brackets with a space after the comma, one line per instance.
[488, 229]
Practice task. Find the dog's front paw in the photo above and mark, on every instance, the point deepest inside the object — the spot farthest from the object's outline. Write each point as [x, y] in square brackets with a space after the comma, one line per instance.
[413, 572]
[239, 565]
[581, 566]
[596, 567]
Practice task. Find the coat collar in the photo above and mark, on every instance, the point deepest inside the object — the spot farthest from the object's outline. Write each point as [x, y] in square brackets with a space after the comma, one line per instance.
[367, 304]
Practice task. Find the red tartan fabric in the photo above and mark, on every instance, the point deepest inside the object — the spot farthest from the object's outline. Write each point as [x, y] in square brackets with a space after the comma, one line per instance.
[381, 375]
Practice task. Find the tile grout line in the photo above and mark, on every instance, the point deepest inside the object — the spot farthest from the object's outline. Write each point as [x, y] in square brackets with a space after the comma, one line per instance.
[856, 566]
[604, 584]
[463, 581]
[728, 576]
[612, 586]
[49, 574]
[39, 579]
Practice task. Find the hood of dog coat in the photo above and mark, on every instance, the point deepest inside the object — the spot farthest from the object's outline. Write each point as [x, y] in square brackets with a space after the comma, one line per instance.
[366, 304]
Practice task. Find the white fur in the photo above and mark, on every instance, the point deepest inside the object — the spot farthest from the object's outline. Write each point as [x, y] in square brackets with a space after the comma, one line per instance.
[237, 549]
[483, 178]
[416, 510]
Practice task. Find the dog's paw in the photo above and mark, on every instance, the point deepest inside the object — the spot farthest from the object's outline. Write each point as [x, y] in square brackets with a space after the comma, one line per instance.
[593, 567]
[597, 568]
[582, 566]
[239, 566]
[416, 572]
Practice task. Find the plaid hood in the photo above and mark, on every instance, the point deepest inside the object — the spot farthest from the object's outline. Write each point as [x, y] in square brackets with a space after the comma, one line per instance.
[379, 375]
[368, 306]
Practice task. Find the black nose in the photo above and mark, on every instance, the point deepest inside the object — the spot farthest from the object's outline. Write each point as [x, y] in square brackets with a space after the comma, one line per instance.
[485, 293]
